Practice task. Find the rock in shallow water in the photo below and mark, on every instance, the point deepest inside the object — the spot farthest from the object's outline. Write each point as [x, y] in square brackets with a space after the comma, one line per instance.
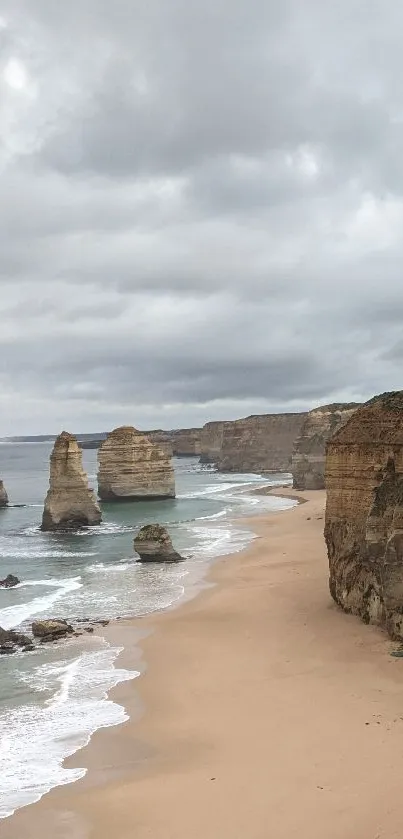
[11, 641]
[10, 581]
[51, 630]
[153, 544]
[70, 503]
[3, 495]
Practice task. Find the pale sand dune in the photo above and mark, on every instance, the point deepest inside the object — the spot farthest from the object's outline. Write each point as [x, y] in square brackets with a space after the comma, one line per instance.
[260, 683]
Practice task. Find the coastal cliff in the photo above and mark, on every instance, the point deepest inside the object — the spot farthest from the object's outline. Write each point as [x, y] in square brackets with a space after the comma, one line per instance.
[211, 442]
[70, 503]
[186, 442]
[131, 467]
[309, 454]
[262, 443]
[364, 513]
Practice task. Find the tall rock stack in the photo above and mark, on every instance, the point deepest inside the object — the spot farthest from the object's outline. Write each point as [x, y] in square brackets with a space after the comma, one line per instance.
[262, 443]
[309, 455]
[3, 495]
[70, 503]
[364, 513]
[211, 442]
[132, 468]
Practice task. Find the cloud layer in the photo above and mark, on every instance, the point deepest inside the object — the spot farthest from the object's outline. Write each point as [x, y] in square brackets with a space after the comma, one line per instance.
[201, 209]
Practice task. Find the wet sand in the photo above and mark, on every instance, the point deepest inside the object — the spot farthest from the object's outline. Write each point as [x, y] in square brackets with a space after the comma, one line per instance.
[262, 711]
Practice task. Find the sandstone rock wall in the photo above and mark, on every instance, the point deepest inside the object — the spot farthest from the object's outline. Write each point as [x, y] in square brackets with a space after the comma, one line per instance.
[364, 513]
[131, 467]
[211, 442]
[309, 455]
[70, 503]
[262, 443]
[186, 442]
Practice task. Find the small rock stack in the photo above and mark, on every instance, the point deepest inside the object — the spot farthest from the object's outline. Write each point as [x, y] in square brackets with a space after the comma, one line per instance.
[153, 544]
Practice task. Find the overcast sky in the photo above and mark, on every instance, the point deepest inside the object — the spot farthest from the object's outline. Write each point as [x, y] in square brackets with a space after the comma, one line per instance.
[201, 209]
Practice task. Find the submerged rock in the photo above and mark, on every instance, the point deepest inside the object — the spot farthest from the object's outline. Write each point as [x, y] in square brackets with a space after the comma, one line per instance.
[132, 468]
[364, 513]
[70, 503]
[10, 581]
[3, 495]
[153, 544]
[51, 630]
[309, 455]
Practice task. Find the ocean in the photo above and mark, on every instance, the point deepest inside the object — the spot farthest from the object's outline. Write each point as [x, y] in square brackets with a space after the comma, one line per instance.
[52, 700]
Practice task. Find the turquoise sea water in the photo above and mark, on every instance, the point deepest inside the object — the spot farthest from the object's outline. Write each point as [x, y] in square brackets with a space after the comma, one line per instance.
[53, 699]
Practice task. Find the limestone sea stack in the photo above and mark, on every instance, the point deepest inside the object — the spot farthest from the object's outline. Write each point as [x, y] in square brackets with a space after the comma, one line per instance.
[132, 468]
[364, 513]
[70, 503]
[153, 544]
[3, 495]
[309, 455]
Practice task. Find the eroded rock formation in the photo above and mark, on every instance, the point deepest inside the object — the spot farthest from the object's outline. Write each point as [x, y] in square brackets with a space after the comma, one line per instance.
[9, 582]
[153, 544]
[211, 442]
[51, 630]
[364, 513]
[3, 495]
[131, 467]
[259, 443]
[309, 455]
[70, 503]
[11, 641]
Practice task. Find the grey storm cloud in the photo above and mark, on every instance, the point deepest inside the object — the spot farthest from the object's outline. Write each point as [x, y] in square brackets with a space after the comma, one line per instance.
[201, 208]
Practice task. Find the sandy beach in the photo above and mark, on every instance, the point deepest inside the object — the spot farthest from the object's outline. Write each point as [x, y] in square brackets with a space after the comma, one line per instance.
[262, 711]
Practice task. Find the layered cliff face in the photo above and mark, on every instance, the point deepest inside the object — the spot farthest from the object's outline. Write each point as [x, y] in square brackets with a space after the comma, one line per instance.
[364, 513]
[3, 495]
[186, 442]
[309, 455]
[259, 443]
[131, 467]
[161, 439]
[211, 438]
[70, 503]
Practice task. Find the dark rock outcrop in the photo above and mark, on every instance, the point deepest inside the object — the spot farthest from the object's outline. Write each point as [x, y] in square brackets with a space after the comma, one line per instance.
[132, 468]
[11, 641]
[153, 544]
[51, 630]
[70, 503]
[364, 513]
[9, 582]
[309, 454]
[262, 443]
[3, 495]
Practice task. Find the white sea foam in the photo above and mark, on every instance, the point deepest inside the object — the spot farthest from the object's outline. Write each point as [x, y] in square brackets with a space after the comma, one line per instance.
[35, 739]
[12, 616]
